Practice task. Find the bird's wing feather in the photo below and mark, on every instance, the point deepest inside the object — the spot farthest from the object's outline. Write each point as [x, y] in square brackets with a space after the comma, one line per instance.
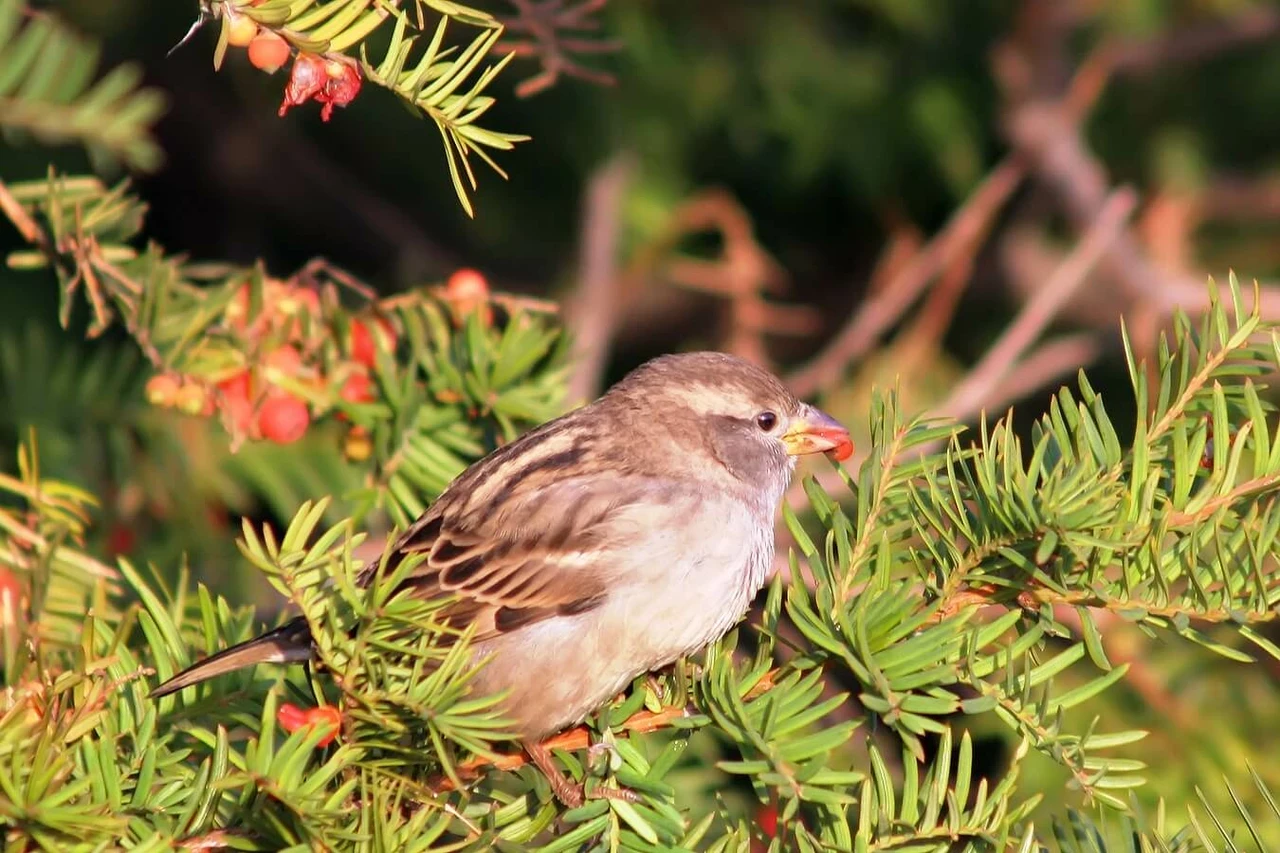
[548, 550]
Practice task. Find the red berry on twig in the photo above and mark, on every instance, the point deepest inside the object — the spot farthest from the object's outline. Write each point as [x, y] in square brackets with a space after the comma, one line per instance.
[241, 29]
[236, 400]
[191, 398]
[358, 388]
[268, 51]
[283, 418]
[468, 291]
[767, 819]
[162, 390]
[10, 597]
[363, 349]
[284, 359]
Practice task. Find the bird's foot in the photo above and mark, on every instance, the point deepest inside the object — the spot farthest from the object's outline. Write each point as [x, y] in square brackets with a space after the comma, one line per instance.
[573, 794]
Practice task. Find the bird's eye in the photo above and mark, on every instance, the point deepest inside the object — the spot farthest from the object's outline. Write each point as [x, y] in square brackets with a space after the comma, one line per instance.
[766, 421]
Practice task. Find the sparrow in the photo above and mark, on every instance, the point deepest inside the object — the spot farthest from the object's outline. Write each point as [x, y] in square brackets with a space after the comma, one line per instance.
[604, 544]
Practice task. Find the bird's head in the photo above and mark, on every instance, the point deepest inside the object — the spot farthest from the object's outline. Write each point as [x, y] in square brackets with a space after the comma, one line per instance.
[743, 414]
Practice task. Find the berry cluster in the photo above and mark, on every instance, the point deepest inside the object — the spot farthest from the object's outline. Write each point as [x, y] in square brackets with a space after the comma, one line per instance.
[295, 357]
[332, 80]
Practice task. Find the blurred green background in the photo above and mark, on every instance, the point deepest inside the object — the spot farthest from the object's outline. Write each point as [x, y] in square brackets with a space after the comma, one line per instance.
[839, 126]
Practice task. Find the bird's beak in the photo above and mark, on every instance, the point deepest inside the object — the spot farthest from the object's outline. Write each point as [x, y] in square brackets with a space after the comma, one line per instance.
[817, 432]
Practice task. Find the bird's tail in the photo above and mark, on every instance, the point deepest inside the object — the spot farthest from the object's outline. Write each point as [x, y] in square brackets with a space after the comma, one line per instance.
[290, 643]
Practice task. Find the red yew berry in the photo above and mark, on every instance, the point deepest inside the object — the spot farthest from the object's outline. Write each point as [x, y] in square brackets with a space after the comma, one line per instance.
[162, 390]
[357, 389]
[842, 451]
[300, 300]
[363, 349]
[468, 291]
[466, 284]
[237, 310]
[191, 398]
[10, 596]
[283, 418]
[285, 359]
[327, 717]
[767, 819]
[237, 399]
[268, 52]
[241, 29]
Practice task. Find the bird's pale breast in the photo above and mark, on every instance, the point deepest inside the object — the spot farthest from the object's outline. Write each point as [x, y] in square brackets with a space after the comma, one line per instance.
[674, 587]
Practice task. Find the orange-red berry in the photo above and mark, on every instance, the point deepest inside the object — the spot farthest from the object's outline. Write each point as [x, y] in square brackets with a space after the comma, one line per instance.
[466, 284]
[162, 390]
[268, 52]
[10, 596]
[191, 398]
[286, 359]
[468, 290]
[363, 349]
[241, 29]
[236, 400]
[283, 418]
[299, 300]
[358, 388]
[842, 451]
[767, 819]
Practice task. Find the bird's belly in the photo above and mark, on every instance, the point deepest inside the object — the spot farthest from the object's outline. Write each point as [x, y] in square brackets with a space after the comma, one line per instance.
[559, 670]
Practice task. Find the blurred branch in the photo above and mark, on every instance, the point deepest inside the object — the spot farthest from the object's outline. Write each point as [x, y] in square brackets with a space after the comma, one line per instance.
[743, 274]
[591, 312]
[1197, 42]
[881, 311]
[544, 22]
[1047, 133]
[1047, 363]
[970, 396]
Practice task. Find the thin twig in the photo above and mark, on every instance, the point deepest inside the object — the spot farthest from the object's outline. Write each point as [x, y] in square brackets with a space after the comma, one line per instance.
[1053, 144]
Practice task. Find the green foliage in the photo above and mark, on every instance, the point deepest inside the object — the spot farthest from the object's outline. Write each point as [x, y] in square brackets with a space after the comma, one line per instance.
[448, 389]
[893, 598]
[48, 91]
[433, 80]
[974, 590]
[434, 85]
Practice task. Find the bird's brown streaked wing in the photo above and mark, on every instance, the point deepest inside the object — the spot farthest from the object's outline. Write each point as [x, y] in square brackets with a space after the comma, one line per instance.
[541, 554]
